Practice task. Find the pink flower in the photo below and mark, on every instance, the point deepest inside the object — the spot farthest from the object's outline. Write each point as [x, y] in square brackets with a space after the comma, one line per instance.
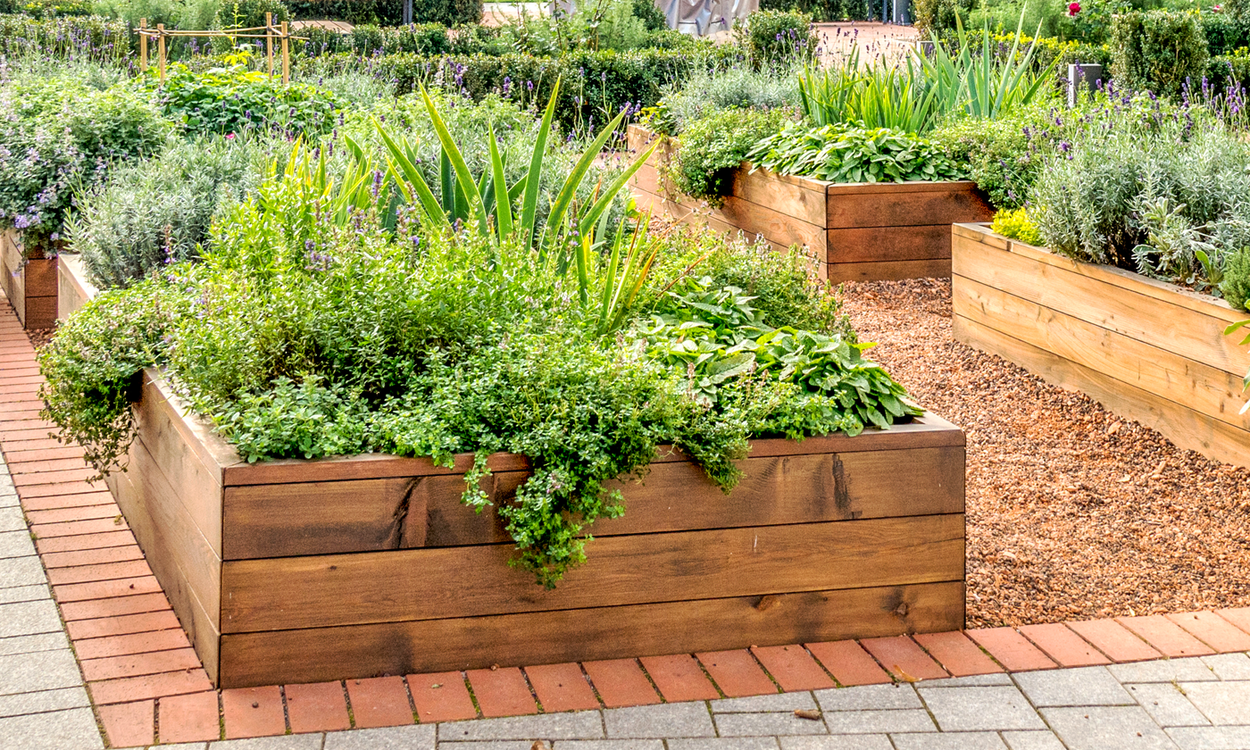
[229, 136]
[1217, 8]
[1073, 9]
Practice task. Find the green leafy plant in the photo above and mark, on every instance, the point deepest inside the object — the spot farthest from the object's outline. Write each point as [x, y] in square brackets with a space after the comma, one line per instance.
[879, 95]
[713, 147]
[843, 153]
[1158, 50]
[777, 38]
[236, 100]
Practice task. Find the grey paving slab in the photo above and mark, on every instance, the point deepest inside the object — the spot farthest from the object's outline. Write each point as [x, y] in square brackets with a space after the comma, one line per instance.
[490, 745]
[868, 697]
[991, 708]
[1211, 738]
[1163, 670]
[1105, 727]
[838, 742]
[1221, 702]
[1229, 666]
[287, 742]
[1000, 678]
[582, 725]
[951, 741]
[758, 703]
[29, 618]
[24, 594]
[1032, 741]
[60, 730]
[723, 743]
[26, 644]
[21, 571]
[16, 544]
[765, 725]
[879, 722]
[1084, 686]
[43, 701]
[11, 518]
[41, 670]
[665, 721]
[1167, 705]
[609, 745]
[419, 737]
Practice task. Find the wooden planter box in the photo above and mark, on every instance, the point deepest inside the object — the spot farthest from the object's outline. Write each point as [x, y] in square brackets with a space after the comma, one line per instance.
[73, 288]
[1147, 350]
[29, 284]
[858, 232]
[303, 571]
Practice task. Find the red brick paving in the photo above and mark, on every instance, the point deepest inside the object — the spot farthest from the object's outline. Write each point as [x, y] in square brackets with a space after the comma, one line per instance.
[792, 667]
[1063, 645]
[679, 678]
[620, 682]
[139, 664]
[849, 663]
[560, 687]
[737, 673]
[318, 707]
[502, 692]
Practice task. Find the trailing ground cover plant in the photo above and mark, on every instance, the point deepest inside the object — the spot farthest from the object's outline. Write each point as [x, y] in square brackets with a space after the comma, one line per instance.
[845, 153]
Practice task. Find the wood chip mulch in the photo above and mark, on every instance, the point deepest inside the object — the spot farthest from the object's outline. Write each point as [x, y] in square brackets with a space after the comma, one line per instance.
[1073, 512]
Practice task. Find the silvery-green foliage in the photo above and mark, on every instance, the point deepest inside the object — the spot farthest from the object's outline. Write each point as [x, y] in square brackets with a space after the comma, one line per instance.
[738, 87]
[155, 212]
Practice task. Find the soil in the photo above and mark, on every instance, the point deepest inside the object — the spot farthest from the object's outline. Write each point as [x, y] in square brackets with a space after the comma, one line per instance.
[1073, 512]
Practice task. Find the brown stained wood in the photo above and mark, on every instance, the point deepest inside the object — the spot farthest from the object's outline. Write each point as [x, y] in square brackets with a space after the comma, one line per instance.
[1191, 327]
[373, 515]
[890, 244]
[1183, 426]
[187, 568]
[322, 654]
[73, 288]
[946, 203]
[888, 270]
[805, 201]
[775, 224]
[39, 312]
[40, 277]
[330, 590]
[1204, 389]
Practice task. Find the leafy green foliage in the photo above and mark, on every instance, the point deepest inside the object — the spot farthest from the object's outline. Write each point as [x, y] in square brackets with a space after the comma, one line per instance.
[1158, 50]
[1016, 225]
[249, 14]
[74, 38]
[777, 38]
[879, 95]
[1235, 286]
[712, 147]
[823, 11]
[708, 91]
[236, 100]
[845, 153]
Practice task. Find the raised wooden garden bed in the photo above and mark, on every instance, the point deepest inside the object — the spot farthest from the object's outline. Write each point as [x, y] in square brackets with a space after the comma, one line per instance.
[858, 232]
[73, 288]
[30, 284]
[302, 571]
[1147, 350]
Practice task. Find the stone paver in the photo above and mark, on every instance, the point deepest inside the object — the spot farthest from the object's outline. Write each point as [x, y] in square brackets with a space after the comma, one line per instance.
[966, 709]
[1102, 727]
[1082, 686]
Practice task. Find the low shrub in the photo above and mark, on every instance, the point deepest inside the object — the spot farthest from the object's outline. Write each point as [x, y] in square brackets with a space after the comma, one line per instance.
[55, 8]
[934, 18]
[708, 91]
[1158, 51]
[247, 14]
[777, 38]
[57, 134]
[712, 148]
[1229, 70]
[1235, 286]
[1016, 225]
[416, 39]
[847, 153]
[235, 100]
[823, 11]
[381, 12]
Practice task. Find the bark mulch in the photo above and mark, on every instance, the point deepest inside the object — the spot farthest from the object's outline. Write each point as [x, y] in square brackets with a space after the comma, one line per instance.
[1073, 512]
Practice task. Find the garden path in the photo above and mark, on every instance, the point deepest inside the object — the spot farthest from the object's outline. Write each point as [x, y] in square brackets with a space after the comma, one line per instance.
[1174, 681]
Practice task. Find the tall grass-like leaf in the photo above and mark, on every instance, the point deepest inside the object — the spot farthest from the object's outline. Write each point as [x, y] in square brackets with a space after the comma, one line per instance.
[563, 198]
[533, 178]
[503, 202]
[464, 178]
[403, 169]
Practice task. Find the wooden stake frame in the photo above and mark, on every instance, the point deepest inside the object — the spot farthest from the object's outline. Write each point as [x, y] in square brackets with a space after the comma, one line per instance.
[282, 32]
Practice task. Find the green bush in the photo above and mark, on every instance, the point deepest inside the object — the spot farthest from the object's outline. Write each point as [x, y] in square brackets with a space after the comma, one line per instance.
[707, 91]
[1225, 32]
[1158, 50]
[78, 38]
[58, 135]
[417, 39]
[1016, 225]
[777, 38]
[1236, 284]
[234, 100]
[936, 17]
[847, 153]
[1048, 50]
[650, 14]
[55, 8]
[823, 11]
[1233, 67]
[712, 148]
[381, 12]
[246, 14]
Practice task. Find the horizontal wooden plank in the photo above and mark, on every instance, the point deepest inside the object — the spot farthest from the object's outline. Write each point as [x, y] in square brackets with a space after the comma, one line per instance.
[1163, 373]
[329, 590]
[913, 186]
[373, 515]
[1108, 300]
[1184, 427]
[889, 270]
[889, 244]
[322, 654]
[896, 206]
[764, 188]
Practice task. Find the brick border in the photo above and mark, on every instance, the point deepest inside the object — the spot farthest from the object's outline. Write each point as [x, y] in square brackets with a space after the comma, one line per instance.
[142, 674]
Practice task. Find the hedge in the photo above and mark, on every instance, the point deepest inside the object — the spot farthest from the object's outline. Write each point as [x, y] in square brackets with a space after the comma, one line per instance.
[823, 11]
[1157, 50]
[389, 12]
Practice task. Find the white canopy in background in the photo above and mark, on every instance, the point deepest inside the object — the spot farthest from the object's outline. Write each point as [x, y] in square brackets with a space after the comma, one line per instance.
[703, 17]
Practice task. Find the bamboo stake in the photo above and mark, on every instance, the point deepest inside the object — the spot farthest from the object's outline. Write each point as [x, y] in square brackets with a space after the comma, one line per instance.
[269, 41]
[160, 29]
[286, 54]
[143, 44]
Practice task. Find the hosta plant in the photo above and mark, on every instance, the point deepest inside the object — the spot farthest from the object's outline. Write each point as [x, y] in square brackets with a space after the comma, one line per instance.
[845, 153]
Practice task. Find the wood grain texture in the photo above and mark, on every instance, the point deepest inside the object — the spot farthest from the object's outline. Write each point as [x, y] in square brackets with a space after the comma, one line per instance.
[313, 518]
[73, 288]
[888, 270]
[320, 654]
[890, 244]
[329, 590]
[887, 206]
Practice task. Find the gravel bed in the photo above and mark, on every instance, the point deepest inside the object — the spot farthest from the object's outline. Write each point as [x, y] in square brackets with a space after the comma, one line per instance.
[1073, 513]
